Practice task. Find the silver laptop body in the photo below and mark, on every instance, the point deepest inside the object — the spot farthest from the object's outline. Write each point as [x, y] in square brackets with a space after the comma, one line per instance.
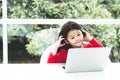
[86, 59]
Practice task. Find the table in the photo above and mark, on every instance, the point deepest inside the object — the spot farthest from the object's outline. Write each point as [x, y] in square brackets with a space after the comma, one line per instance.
[55, 72]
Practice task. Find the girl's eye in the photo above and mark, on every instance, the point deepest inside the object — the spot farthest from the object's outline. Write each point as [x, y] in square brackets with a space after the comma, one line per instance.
[72, 38]
[78, 34]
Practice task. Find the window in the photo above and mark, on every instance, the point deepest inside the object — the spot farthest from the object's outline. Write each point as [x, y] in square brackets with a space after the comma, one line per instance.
[20, 14]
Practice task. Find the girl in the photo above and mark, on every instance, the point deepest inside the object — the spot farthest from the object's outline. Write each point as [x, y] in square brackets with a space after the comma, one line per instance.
[71, 36]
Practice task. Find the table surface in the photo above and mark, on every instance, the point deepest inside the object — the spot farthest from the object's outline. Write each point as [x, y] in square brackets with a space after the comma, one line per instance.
[55, 72]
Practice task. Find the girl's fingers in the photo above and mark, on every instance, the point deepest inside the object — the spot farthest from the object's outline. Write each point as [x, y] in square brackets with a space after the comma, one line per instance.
[61, 38]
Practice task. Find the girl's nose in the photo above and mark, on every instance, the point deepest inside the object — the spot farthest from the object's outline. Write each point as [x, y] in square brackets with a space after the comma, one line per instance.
[77, 38]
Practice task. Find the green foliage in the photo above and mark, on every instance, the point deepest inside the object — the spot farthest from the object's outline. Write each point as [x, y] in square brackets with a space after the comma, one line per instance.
[109, 35]
[40, 40]
[18, 30]
[38, 27]
[0, 9]
[1, 32]
[66, 9]
[36, 9]
[113, 7]
[91, 9]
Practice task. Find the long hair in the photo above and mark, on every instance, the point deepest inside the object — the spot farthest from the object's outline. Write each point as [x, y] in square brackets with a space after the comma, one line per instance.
[66, 28]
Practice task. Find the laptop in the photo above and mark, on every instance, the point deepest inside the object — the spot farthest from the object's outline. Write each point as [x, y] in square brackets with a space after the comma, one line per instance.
[87, 59]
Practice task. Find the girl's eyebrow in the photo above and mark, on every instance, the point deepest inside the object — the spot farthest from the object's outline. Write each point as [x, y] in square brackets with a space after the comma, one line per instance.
[71, 36]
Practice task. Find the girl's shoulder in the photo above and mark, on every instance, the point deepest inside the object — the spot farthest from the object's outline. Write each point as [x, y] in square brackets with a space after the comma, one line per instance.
[64, 50]
[86, 44]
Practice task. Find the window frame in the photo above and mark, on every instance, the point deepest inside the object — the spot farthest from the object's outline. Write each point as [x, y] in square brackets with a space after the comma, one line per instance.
[5, 21]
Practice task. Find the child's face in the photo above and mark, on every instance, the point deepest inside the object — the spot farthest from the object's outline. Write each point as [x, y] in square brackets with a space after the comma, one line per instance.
[75, 38]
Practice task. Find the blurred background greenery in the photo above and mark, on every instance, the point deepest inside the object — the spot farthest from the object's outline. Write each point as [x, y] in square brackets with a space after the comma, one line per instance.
[0, 8]
[63, 9]
[1, 44]
[28, 42]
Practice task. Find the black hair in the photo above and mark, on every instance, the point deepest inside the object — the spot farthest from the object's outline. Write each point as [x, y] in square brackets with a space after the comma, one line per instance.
[66, 28]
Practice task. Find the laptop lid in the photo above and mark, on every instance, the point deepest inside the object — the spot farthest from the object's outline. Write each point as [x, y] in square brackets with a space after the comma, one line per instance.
[86, 59]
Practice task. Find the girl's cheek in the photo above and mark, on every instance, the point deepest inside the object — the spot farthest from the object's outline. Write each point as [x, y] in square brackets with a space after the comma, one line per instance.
[81, 37]
[71, 41]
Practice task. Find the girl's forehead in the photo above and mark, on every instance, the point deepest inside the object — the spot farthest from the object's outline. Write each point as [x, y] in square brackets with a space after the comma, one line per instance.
[72, 32]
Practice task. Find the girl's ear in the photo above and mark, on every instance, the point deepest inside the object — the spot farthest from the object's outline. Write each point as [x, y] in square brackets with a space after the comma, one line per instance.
[66, 42]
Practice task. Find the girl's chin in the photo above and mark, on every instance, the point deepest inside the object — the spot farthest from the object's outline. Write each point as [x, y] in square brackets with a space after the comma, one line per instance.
[80, 46]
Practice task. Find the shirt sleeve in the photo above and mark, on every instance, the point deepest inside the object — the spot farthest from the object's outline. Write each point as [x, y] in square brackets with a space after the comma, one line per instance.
[59, 57]
[95, 43]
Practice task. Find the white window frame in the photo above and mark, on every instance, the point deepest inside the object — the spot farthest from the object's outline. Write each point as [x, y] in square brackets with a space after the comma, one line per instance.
[4, 21]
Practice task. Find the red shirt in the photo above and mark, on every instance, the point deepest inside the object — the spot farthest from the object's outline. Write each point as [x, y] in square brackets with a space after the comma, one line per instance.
[61, 56]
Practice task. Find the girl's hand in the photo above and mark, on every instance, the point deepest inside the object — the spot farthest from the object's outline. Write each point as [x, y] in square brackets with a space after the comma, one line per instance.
[58, 43]
[87, 36]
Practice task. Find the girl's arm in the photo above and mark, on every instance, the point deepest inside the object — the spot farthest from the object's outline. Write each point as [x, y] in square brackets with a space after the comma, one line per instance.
[93, 42]
[58, 58]
[57, 45]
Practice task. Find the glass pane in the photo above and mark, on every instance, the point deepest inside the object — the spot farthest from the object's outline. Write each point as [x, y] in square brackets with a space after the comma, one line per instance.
[1, 44]
[63, 9]
[27, 42]
[0, 8]
[109, 36]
